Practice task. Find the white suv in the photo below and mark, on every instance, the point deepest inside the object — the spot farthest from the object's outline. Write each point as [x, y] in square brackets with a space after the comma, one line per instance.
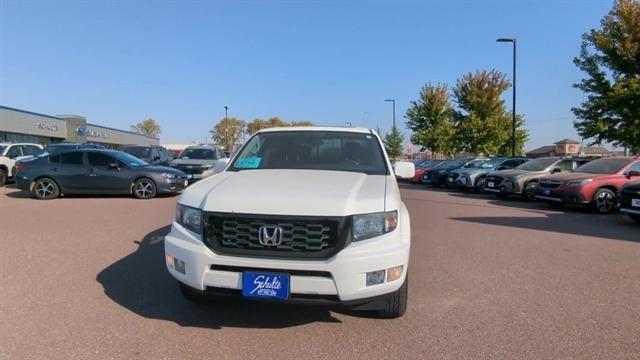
[301, 214]
[10, 154]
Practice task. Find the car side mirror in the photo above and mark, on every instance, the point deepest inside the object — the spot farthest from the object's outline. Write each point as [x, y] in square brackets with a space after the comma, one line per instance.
[114, 166]
[556, 170]
[633, 174]
[404, 169]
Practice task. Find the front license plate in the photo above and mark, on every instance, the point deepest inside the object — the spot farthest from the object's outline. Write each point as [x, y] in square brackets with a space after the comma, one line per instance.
[546, 192]
[265, 285]
[490, 184]
[635, 202]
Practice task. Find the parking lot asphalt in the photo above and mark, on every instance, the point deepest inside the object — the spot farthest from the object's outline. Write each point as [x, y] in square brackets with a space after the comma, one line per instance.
[84, 278]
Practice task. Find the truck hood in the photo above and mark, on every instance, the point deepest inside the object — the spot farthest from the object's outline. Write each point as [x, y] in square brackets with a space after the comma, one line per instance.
[289, 192]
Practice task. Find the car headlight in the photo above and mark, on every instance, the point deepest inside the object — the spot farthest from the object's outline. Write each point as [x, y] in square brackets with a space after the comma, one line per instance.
[366, 226]
[190, 218]
[169, 176]
[208, 166]
[579, 182]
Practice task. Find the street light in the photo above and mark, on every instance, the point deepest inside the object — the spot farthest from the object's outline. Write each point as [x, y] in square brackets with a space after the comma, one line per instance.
[513, 125]
[393, 101]
[226, 123]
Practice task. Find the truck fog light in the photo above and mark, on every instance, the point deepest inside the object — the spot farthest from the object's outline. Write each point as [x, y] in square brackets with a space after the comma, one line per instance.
[176, 264]
[394, 273]
[375, 277]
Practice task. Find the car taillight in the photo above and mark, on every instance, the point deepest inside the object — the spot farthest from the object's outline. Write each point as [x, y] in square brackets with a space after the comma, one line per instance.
[21, 166]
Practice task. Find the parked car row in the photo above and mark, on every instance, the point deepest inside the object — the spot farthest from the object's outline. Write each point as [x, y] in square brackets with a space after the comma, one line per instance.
[604, 184]
[72, 168]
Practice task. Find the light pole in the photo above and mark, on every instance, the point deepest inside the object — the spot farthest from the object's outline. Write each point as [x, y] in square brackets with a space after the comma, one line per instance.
[226, 123]
[393, 101]
[513, 124]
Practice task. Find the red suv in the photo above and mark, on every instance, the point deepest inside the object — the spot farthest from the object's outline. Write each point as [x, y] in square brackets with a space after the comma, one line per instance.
[596, 183]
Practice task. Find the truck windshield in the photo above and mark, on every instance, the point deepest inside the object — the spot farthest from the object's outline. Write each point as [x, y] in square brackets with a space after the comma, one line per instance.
[537, 164]
[603, 166]
[313, 150]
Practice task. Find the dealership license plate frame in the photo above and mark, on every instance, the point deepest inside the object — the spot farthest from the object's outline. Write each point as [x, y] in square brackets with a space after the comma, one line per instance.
[250, 290]
[635, 202]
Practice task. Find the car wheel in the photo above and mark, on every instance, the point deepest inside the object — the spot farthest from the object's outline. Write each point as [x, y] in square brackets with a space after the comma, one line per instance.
[191, 294]
[529, 192]
[46, 189]
[397, 303]
[144, 189]
[635, 217]
[604, 201]
[3, 177]
[480, 184]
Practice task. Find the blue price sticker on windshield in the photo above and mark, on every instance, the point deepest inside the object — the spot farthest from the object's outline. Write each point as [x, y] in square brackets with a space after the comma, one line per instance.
[251, 162]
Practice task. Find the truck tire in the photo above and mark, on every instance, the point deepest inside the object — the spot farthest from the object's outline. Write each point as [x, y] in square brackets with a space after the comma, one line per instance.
[397, 302]
[191, 294]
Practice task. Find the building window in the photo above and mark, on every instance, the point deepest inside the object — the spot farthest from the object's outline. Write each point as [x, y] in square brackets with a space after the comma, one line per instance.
[8, 137]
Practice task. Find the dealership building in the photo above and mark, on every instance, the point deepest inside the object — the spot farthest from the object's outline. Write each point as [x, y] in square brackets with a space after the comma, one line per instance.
[25, 126]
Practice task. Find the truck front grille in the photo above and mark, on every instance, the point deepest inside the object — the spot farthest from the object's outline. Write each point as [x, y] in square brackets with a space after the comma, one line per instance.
[301, 236]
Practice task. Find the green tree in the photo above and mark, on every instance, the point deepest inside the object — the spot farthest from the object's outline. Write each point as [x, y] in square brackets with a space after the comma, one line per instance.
[393, 143]
[258, 124]
[522, 135]
[148, 127]
[227, 132]
[430, 119]
[483, 125]
[610, 57]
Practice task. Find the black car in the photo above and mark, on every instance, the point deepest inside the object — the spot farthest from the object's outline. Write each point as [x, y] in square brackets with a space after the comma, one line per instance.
[96, 172]
[630, 201]
[439, 175]
[58, 147]
[153, 154]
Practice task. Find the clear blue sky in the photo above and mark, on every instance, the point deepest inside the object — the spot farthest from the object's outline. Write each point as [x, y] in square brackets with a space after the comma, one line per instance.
[329, 62]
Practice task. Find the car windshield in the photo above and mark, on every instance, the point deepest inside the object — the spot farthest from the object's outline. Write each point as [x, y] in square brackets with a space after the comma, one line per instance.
[129, 159]
[537, 164]
[603, 166]
[313, 150]
[141, 152]
[454, 164]
[198, 154]
[475, 164]
[426, 164]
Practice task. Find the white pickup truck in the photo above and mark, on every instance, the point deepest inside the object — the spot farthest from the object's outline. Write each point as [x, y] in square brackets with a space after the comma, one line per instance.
[10, 153]
[301, 214]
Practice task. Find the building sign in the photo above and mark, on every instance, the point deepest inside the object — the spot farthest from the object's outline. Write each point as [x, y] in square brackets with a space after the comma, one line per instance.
[44, 126]
[83, 131]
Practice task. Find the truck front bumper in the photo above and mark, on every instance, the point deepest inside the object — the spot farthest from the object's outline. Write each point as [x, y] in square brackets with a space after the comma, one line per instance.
[342, 277]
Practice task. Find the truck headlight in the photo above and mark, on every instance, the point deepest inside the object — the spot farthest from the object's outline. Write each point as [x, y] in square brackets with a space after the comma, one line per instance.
[366, 226]
[190, 218]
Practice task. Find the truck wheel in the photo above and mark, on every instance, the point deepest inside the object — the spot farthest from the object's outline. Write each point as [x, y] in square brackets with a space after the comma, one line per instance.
[529, 191]
[604, 201]
[397, 303]
[3, 177]
[46, 189]
[191, 294]
[144, 189]
[635, 217]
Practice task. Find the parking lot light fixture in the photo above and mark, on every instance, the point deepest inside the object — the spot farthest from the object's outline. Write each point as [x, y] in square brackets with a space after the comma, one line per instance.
[393, 101]
[513, 124]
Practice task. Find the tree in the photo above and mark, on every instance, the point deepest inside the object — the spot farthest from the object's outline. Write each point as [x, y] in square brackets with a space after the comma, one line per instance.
[522, 135]
[148, 127]
[482, 123]
[258, 124]
[393, 143]
[610, 57]
[430, 119]
[227, 132]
